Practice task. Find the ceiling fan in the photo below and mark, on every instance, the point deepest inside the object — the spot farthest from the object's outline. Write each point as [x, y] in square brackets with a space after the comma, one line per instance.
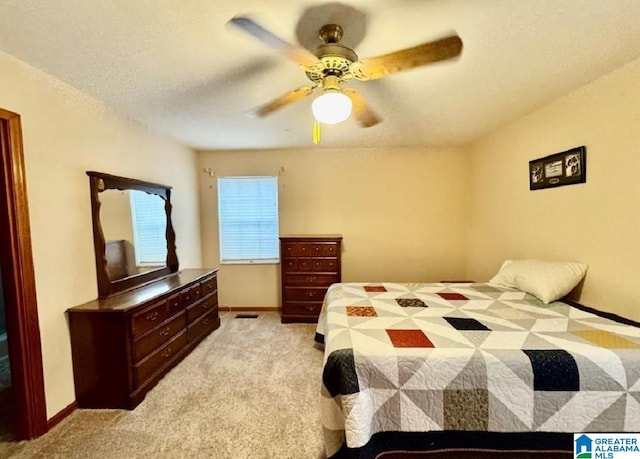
[331, 65]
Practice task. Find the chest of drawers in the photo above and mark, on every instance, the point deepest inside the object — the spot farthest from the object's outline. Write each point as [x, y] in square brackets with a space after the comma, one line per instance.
[309, 265]
[122, 345]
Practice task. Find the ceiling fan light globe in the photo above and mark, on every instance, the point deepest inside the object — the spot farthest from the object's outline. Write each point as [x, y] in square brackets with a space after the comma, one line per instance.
[331, 107]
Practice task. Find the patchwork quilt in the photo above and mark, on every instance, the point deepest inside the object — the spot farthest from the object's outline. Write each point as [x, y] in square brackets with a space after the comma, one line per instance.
[470, 357]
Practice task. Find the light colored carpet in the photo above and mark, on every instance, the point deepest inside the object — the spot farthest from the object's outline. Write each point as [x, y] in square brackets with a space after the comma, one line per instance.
[250, 390]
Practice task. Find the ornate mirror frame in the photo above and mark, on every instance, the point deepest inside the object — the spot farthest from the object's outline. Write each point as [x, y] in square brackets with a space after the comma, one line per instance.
[100, 182]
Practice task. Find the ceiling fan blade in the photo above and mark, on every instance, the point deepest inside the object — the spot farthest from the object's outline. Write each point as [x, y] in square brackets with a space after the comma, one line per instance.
[297, 54]
[286, 99]
[405, 59]
[363, 113]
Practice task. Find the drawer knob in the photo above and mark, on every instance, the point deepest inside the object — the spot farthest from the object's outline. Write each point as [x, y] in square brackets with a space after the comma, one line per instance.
[164, 331]
[310, 308]
[166, 353]
[152, 316]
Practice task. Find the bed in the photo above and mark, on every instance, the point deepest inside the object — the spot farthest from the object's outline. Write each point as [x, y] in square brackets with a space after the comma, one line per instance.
[470, 366]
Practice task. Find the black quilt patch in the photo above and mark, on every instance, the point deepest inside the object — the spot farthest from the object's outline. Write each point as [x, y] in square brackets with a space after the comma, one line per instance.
[461, 323]
[554, 370]
[339, 373]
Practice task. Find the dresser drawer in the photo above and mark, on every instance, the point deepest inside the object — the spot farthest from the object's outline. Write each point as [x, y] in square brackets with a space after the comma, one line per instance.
[149, 317]
[206, 304]
[305, 293]
[305, 308]
[151, 340]
[159, 358]
[310, 249]
[209, 285]
[174, 303]
[310, 280]
[203, 325]
[311, 264]
[190, 295]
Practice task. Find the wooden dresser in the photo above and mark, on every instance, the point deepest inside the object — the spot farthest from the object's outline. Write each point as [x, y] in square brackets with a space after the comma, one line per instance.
[122, 345]
[309, 265]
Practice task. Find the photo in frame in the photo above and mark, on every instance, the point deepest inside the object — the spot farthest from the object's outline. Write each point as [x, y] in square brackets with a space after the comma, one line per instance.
[565, 168]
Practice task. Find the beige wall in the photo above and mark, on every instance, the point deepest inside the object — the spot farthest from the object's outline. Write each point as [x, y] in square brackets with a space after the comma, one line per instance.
[597, 223]
[401, 213]
[66, 133]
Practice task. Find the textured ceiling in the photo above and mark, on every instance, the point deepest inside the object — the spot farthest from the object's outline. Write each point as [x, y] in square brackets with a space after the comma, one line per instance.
[176, 67]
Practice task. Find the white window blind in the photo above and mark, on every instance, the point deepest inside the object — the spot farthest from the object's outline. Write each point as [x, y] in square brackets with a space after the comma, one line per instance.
[248, 219]
[149, 228]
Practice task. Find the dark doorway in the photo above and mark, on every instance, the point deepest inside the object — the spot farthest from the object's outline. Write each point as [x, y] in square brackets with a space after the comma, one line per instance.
[26, 392]
[7, 406]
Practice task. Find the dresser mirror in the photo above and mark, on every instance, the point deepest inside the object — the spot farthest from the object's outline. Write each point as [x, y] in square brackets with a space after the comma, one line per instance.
[133, 236]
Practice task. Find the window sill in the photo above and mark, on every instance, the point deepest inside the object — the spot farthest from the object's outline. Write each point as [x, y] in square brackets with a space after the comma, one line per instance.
[250, 262]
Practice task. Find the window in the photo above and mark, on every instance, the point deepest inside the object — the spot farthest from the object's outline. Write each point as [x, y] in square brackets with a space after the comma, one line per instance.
[248, 219]
[149, 228]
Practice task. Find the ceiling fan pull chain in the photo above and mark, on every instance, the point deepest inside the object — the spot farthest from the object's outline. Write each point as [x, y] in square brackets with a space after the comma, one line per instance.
[316, 132]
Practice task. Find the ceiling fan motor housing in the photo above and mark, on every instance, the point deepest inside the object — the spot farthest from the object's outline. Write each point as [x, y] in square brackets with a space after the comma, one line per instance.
[335, 59]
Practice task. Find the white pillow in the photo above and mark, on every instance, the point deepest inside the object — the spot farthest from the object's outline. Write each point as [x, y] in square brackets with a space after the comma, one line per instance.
[504, 278]
[546, 280]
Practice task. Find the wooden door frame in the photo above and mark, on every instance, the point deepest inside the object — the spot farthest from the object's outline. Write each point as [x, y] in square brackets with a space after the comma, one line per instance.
[23, 331]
